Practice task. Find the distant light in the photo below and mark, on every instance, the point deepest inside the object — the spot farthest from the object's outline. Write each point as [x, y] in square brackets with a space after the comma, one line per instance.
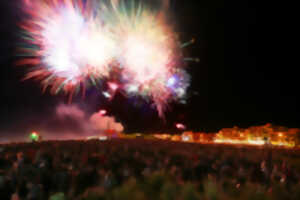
[106, 94]
[34, 136]
[280, 134]
[180, 92]
[185, 138]
[183, 101]
[171, 82]
[146, 87]
[102, 112]
[102, 138]
[132, 88]
[113, 86]
[91, 137]
[180, 126]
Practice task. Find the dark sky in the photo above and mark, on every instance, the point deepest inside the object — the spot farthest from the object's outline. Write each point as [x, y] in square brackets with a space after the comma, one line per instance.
[230, 86]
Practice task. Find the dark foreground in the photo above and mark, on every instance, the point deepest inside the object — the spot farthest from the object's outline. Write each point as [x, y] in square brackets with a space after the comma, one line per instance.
[146, 170]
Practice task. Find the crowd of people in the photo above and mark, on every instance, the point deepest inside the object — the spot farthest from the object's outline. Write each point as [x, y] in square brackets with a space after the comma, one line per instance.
[138, 169]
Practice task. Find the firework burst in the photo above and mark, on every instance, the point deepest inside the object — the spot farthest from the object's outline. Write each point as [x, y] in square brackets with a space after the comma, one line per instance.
[68, 46]
[71, 44]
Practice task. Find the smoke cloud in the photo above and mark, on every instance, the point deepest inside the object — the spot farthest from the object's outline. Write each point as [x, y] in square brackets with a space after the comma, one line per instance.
[64, 123]
[72, 111]
[97, 122]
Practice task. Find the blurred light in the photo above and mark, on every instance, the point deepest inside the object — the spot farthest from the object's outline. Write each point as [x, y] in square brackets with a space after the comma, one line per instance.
[102, 138]
[183, 102]
[102, 112]
[180, 92]
[180, 126]
[132, 88]
[106, 94]
[34, 136]
[171, 82]
[185, 138]
[113, 86]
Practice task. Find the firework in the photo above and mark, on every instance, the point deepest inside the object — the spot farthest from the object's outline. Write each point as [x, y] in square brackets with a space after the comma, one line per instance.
[69, 46]
[150, 52]
[127, 44]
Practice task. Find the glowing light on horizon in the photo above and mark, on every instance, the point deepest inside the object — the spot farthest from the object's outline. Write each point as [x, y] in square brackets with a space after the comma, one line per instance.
[34, 136]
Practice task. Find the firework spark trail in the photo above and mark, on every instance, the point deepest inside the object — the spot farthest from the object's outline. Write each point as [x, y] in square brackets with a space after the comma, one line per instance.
[149, 51]
[72, 43]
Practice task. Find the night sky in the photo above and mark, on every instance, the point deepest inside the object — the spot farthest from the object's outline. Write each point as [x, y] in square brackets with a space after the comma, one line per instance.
[230, 85]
